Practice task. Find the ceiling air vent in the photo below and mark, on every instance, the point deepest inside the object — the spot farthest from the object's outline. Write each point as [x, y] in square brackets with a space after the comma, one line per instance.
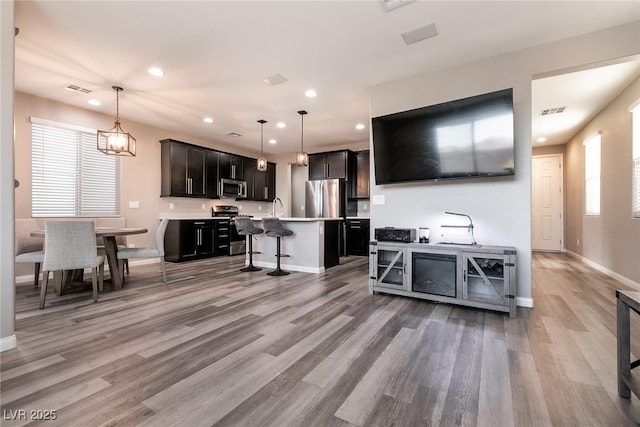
[233, 134]
[389, 5]
[74, 88]
[550, 111]
[275, 79]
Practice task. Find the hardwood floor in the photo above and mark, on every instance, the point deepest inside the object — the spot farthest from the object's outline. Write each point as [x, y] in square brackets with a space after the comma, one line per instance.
[215, 346]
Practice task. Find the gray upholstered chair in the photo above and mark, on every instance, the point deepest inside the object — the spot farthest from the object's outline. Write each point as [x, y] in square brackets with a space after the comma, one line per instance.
[29, 249]
[274, 228]
[71, 245]
[157, 252]
[245, 227]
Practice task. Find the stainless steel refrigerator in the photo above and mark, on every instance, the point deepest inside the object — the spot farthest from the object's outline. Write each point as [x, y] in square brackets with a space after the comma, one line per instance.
[325, 198]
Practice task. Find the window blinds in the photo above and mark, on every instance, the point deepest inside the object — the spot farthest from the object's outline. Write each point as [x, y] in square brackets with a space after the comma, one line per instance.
[70, 177]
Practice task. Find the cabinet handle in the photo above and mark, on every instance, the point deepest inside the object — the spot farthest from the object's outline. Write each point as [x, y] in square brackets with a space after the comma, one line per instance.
[233, 171]
[266, 193]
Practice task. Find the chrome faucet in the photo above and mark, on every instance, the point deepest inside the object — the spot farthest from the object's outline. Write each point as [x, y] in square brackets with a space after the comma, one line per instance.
[273, 206]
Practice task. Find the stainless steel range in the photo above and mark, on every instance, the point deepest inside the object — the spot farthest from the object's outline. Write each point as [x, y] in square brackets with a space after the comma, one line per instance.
[237, 243]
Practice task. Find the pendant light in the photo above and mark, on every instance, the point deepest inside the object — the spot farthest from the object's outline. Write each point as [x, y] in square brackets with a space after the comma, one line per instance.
[302, 158]
[261, 164]
[116, 141]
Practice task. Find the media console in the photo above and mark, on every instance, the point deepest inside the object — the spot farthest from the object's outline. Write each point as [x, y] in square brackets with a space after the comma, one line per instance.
[470, 275]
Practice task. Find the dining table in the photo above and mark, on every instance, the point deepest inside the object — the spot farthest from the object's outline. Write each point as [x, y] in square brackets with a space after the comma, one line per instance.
[108, 234]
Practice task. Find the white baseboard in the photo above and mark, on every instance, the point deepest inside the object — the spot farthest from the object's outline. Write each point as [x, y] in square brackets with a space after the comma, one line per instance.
[289, 267]
[524, 302]
[605, 270]
[7, 343]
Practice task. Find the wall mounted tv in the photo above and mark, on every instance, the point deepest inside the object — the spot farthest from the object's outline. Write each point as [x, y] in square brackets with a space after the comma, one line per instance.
[466, 138]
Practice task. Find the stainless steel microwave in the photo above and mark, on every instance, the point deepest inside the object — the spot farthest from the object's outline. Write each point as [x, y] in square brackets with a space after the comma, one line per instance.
[233, 188]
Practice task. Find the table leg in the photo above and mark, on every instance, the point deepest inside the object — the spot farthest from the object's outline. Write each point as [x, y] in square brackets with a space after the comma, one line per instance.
[111, 250]
[624, 348]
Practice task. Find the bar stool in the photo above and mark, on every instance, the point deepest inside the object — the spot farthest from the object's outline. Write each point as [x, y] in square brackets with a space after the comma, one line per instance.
[274, 228]
[245, 227]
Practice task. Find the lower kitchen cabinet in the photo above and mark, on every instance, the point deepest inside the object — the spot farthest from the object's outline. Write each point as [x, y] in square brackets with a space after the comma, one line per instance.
[357, 236]
[475, 276]
[187, 240]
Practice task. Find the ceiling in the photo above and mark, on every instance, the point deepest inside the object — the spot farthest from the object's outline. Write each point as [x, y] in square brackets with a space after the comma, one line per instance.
[216, 53]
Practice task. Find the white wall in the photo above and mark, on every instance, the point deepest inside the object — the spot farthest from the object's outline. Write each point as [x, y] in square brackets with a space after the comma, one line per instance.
[500, 208]
[7, 293]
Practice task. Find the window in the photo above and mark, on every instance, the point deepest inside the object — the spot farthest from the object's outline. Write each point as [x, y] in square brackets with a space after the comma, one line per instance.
[592, 175]
[635, 195]
[70, 177]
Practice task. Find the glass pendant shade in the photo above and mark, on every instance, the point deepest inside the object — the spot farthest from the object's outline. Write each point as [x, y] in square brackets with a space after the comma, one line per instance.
[302, 158]
[261, 164]
[116, 141]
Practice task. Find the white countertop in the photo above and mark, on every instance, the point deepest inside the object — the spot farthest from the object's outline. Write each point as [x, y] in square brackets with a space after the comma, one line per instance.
[298, 219]
[358, 217]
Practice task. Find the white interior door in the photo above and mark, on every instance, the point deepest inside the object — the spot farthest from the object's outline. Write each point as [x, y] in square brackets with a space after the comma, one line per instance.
[547, 203]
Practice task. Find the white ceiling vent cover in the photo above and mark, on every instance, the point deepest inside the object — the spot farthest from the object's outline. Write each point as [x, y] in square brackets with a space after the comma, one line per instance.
[275, 79]
[550, 111]
[76, 88]
[419, 34]
[389, 5]
[233, 134]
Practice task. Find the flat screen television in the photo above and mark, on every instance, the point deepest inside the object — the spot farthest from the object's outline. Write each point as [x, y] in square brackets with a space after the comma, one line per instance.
[466, 138]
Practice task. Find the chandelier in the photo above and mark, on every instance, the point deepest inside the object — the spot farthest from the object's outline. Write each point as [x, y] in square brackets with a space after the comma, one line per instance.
[116, 141]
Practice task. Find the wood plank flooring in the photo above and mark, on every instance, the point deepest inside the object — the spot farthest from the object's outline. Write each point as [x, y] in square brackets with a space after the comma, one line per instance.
[218, 347]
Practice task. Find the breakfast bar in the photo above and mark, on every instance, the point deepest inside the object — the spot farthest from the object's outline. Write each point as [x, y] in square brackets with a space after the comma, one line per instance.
[313, 247]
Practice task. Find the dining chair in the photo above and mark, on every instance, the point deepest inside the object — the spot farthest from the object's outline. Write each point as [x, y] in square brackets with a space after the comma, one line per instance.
[157, 252]
[28, 249]
[71, 245]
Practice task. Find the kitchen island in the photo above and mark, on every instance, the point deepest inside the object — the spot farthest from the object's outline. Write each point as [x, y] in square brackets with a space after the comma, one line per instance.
[313, 247]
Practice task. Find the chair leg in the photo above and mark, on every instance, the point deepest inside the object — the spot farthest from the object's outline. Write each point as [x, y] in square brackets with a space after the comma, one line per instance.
[36, 275]
[94, 283]
[43, 288]
[101, 278]
[164, 273]
[121, 264]
[250, 267]
[126, 264]
[278, 271]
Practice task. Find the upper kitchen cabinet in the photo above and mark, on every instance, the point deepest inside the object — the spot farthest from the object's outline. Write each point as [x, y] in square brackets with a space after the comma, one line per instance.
[231, 167]
[183, 169]
[362, 174]
[249, 172]
[213, 189]
[264, 184]
[331, 165]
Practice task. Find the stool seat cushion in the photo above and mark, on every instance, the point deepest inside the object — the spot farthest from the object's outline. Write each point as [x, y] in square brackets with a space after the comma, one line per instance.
[245, 226]
[274, 228]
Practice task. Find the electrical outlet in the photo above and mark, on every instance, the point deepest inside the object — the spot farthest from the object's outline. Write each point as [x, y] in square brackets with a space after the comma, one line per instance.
[171, 206]
[134, 204]
[578, 241]
[365, 206]
[204, 206]
[259, 207]
[301, 207]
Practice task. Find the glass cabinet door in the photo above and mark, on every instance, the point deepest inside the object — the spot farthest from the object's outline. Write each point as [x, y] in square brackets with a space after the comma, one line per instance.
[485, 278]
[390, 268]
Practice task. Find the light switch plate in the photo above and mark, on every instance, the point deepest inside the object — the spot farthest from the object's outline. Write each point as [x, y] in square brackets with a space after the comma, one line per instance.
[378, 200]
[134, 204]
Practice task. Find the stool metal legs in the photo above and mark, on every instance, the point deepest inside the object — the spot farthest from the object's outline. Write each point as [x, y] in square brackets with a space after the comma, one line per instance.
[278, 271]
[250, 267]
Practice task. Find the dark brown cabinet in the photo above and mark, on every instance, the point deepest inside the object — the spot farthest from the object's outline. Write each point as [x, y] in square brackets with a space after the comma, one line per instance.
[264, 184]
[183, 169]
[187, 240]
[362, 174]
[230, 166]
[331, 165]
[213, 189]
[358, 231]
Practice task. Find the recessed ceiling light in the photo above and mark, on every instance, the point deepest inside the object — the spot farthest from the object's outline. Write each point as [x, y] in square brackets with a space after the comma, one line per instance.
[310, 93]
[359, 126]
[207, 120]
[94, 102]
[155, 71]
[272, 141]
[281, 125]
[541, 139]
